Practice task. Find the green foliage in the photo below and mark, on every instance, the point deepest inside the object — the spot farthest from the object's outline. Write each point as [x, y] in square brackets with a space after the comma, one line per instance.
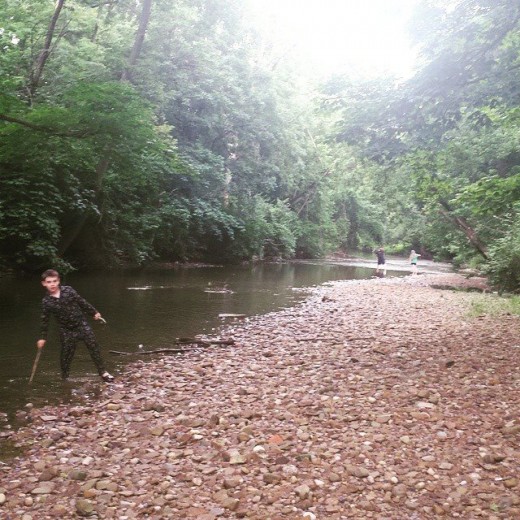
[37, 189]
[29, 227]
[212, 229]
[269, 230]
[317, 240]
[491, 195]
[52, 181]
[504, 265]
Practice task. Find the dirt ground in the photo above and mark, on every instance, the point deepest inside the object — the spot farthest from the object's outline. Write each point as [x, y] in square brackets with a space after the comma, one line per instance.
[376, 399]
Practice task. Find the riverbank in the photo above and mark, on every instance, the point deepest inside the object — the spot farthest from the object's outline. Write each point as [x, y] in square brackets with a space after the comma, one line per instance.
[372, 399]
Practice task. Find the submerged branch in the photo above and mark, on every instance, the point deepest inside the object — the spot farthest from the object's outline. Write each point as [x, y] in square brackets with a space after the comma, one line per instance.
[181, 341]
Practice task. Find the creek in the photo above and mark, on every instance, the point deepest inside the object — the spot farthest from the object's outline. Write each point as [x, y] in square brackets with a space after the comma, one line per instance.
[144, 310]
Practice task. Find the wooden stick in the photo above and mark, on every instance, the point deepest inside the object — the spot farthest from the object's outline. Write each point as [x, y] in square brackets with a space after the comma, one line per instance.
[147, 352]
[181, 341]
[35, 364]
[205, 342]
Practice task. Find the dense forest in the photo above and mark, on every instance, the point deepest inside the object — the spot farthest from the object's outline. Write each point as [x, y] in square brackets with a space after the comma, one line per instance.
[134, 131]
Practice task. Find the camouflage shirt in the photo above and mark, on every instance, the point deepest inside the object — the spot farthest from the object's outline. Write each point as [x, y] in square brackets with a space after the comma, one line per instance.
[69, 309]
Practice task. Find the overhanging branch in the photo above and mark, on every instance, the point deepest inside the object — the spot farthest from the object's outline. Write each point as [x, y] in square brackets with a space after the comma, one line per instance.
[47, 129]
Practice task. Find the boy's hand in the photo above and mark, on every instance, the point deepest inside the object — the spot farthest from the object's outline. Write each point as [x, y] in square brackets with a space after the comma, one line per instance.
[40, 343]
[98, 317]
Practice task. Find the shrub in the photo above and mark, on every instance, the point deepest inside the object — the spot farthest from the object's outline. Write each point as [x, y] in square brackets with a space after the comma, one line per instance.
[504, 264]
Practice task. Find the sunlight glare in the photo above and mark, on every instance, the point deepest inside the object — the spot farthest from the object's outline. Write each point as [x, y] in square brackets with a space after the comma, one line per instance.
[367, 37]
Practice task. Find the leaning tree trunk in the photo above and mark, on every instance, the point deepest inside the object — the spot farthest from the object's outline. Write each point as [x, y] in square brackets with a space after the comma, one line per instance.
[104, 161]
[45, 52]
[462, 224]
[139, 39]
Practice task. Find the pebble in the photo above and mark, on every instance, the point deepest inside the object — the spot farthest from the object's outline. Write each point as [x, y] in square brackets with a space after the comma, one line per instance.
[399, 490]
[84, 507]
[303, 491]
[44, 489]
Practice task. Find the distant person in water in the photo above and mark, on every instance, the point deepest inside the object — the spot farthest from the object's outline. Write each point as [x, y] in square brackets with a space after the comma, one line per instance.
[69, 309]
[414, 257]
[380, 253]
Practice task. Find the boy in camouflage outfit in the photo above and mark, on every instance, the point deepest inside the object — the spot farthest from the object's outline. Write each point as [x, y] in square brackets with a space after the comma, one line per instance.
[69, 308]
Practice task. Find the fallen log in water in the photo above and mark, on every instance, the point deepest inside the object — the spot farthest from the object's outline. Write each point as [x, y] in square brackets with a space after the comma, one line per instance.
[180, 341]
[204, 342]
[148, 352]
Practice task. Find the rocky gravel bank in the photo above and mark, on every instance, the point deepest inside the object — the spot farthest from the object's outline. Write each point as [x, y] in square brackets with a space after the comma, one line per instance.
[373, 399]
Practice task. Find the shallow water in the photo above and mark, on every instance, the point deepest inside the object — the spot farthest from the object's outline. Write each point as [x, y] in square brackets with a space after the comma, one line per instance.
[143, 310]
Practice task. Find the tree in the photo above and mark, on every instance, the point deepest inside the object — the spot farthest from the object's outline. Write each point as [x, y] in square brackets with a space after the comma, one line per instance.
[51, 140]
[446, 139]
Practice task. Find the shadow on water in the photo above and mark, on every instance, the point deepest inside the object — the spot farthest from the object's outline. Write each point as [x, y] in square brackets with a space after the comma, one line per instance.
[143, 310]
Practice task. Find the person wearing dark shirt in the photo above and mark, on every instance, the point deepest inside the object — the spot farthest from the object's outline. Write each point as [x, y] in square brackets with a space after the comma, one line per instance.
[70, 311]
[380, 253]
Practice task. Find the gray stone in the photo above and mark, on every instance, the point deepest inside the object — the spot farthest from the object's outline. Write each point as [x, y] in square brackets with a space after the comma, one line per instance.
[78, 474]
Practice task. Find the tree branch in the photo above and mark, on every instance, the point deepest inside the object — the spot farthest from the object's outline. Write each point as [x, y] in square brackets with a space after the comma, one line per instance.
[47, 129]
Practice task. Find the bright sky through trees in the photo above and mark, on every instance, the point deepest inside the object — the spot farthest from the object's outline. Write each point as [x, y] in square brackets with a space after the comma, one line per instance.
[367, 37]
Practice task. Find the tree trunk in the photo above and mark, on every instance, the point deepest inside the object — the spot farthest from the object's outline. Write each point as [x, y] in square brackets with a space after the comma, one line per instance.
[44, 54]
[71, 236]
[139, 39]
[104, 161]
[462, 224]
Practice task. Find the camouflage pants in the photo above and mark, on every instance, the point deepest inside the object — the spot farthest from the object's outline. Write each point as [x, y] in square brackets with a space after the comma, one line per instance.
[69, 340]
